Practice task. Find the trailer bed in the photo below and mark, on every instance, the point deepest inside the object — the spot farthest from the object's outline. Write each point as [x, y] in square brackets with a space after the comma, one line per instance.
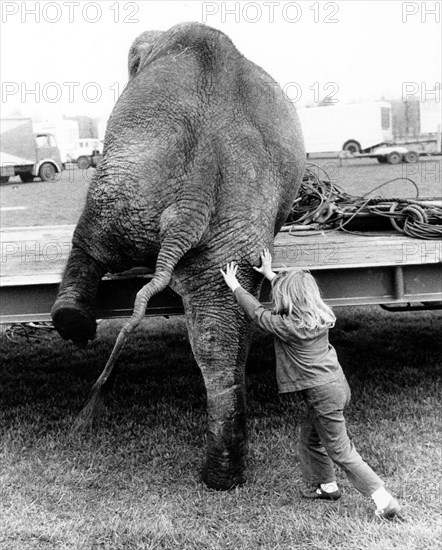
[351, 269]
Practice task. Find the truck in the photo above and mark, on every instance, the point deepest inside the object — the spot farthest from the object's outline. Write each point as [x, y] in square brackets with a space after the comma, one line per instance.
[87, 153]
[353, 128]
[27, 154]
[66, 133]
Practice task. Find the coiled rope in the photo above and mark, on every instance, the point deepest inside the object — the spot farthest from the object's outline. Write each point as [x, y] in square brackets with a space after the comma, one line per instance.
[37, 330]
[325, 206]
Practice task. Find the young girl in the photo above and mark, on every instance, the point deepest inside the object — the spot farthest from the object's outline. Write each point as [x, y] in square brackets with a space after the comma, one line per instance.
[306, 362]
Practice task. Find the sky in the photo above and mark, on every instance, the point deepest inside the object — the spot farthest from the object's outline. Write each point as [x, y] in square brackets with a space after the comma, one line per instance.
[70, 57]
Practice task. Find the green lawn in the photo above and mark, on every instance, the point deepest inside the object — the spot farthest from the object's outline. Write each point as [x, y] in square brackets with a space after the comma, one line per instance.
[134, 483]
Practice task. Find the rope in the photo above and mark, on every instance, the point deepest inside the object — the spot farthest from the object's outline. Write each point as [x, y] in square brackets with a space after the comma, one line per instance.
[39, 330]
[328, 207]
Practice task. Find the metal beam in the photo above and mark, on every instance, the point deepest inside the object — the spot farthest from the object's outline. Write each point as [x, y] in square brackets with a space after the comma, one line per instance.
[340, 287]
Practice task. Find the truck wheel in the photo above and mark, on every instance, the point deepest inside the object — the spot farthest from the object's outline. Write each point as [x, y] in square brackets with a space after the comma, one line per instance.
[83, 163]
[352, 147]
[382, 160]
[394, 158]
[411, 157]
[4, 179]
[26, 178]
[47, 172]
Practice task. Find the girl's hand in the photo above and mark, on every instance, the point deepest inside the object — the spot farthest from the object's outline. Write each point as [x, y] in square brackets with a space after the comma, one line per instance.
[266, 265]
[230, 276]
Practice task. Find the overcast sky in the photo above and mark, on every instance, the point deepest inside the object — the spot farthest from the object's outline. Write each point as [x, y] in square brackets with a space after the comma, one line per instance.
[71, 57]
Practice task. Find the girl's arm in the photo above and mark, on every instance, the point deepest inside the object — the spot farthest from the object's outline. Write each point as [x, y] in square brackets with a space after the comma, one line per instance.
[254, 310]
[262, 317]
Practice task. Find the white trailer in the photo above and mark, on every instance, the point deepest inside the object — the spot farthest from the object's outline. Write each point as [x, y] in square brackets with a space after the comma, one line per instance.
[354, 128]
[430, 112]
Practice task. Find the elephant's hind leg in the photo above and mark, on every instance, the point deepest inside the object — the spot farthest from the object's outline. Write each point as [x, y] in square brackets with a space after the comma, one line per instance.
[220, 344]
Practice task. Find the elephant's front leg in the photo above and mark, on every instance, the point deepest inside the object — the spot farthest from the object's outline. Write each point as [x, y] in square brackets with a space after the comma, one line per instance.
[219, 335]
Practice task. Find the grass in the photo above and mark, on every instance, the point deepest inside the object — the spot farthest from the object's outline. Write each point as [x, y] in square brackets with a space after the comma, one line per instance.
[134, 483]
[62, 202]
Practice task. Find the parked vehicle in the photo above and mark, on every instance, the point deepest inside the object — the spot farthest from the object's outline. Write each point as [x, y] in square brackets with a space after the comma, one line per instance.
[87, 153]
[354, 128]
[66, 133]
[26, 154]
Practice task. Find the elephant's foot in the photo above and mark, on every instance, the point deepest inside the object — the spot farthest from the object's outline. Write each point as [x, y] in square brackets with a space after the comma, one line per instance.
[73, 322]
[73, 313]
[223, 472]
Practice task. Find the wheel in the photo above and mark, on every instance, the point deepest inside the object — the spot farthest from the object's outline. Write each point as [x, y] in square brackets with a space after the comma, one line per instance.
[382, 160]
[352, 147]
[394, 158]
[4, 179]
[83, 163]
[47, 172]
[411, 157]
[26, 178]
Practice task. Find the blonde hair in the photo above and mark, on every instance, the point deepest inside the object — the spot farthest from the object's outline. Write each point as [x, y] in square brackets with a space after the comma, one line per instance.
[296, 293]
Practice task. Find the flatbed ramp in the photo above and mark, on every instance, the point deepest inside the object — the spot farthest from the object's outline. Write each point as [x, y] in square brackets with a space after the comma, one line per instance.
[351, 269]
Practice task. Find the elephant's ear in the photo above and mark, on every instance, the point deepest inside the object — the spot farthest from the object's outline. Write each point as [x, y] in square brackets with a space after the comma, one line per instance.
[140, 50]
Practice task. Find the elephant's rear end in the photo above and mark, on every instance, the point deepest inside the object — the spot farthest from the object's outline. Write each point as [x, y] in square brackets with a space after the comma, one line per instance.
[200, 139]
[203, 158]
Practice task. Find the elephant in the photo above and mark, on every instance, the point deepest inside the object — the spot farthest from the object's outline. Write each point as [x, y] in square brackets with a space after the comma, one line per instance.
[203, 158]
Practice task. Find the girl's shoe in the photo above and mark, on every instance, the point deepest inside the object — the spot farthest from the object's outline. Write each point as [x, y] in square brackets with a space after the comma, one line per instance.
[391, 511]
[315, 492]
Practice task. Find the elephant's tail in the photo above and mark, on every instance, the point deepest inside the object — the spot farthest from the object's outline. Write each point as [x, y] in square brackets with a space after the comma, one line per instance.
[102, 386]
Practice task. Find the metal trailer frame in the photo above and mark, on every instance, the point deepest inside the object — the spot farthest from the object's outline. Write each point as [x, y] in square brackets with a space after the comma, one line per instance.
[387, 269]
[394, 287]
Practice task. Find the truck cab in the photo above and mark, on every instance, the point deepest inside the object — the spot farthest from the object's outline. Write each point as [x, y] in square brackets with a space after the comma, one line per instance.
[88, 153]
[47, 151]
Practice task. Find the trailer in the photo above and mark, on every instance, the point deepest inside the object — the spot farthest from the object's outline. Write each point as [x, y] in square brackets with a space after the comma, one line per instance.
[353, 128]
[392, 154]
[365, 130]
[385, 268]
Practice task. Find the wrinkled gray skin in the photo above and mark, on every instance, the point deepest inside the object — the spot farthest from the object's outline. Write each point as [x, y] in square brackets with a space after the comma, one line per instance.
[203, 158]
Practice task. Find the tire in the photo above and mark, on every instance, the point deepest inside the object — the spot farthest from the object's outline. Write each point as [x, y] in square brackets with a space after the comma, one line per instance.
[382, 160]
[411, 157]
[4, 179]
[352, 146]
[394, 158]
[26, 178]
[83, 163]
[47, 172]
